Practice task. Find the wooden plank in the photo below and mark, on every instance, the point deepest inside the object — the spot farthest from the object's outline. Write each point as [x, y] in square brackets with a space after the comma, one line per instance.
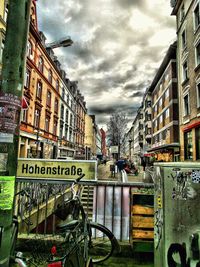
[142, 234]
[142, 222]
[138, 209]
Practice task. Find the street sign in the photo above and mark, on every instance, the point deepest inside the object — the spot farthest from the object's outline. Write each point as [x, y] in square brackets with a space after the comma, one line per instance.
[52, 169]
[114, 149]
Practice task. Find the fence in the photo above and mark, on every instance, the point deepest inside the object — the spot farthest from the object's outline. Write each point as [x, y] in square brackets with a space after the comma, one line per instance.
[110, 201]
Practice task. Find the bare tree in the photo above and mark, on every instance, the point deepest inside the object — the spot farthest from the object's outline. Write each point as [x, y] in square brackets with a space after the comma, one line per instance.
[116, 128]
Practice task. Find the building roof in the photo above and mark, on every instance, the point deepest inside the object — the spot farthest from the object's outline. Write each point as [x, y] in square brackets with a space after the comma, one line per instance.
[175, 5]
[171, 54]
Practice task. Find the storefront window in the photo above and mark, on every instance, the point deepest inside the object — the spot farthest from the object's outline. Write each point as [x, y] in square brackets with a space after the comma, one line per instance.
[197, 133]
[188, 145]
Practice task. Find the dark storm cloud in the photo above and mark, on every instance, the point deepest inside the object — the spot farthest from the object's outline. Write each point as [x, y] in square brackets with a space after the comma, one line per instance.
[130, 3]
[137, 94]
[112, 56]
[104, 110]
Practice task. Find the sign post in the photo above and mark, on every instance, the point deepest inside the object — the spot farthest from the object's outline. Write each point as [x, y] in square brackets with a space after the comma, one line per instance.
[11, 89]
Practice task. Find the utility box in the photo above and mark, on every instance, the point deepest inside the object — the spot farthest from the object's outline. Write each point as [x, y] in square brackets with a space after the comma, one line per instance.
[177, 214]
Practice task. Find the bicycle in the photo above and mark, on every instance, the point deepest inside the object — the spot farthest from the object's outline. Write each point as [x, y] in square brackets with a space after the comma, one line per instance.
[95, 240]
[77, 237]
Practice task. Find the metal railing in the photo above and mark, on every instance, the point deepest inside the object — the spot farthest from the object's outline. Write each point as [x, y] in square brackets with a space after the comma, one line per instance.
[110, 203]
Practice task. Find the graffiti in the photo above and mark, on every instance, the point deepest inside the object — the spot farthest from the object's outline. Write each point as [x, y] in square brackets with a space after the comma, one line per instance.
[158, 227]
[182, 188]
[158, 216]
[180, 249]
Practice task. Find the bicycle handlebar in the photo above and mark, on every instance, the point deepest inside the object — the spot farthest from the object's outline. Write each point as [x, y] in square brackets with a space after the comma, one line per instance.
[23, 192]
[79, 178]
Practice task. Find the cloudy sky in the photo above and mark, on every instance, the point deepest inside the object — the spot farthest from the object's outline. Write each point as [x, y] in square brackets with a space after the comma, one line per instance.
[118, 46]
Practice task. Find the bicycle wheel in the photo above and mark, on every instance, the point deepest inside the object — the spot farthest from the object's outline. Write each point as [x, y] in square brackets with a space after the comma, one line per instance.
[102, 243]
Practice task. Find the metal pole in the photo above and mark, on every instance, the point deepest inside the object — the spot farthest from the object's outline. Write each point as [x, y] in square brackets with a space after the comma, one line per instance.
[10, 106]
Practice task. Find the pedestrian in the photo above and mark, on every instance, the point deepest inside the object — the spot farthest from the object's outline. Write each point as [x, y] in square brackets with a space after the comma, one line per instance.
[143, 164]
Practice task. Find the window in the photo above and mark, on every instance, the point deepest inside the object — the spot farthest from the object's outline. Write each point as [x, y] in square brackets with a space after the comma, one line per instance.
[37, 118]
[6, 13]
[30, 49]
[27, 78]
[66, 131]
[188, 145]
[155, 108]
[41, 64]
[197, 53]
[197, 137]
[62, 112]
[186, 105]
[141, 116]
[68, 99]
[70, 135]
[39, 90]
[48, 98]
[161, 119]
[160, 102]
[57, 85]
[156, 124]
[148, 103]
[185, 71]
[183, 39]
[47, 123]
[167, 93]
[55, 125]
[50, 76]
[66, 116]
[61, 130]
[167, 113]
[196, 17]
[182, 13]
[198, 95]
[63, 93]
[149, 117]
[56, 105]
[71, 119]
[24, 115]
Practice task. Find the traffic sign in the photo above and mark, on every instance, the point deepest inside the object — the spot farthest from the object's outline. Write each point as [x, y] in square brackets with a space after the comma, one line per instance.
[53, 169]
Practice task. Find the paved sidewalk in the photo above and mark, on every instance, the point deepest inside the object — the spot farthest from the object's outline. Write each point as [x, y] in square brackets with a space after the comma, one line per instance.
[125, 262]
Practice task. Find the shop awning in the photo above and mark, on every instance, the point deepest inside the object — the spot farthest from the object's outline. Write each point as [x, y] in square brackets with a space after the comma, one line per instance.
[166, 146]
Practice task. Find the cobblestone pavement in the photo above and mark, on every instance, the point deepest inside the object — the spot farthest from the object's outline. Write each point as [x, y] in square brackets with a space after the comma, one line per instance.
[104, 173]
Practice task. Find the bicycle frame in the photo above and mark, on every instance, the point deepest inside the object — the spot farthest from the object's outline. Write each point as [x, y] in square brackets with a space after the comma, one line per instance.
[76, 190]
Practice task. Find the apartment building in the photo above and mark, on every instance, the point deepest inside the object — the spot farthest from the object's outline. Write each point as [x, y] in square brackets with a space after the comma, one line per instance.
[81, 112]
[67, 127]
[39, 123]
[165, 123]
[138, 136]
[146, 123]
[54, 117]
[187, 14]
[90, 135]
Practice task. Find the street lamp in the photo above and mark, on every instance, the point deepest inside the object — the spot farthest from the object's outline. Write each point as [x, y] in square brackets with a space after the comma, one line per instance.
[63, 42]
[130, 141]
[38, 133]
